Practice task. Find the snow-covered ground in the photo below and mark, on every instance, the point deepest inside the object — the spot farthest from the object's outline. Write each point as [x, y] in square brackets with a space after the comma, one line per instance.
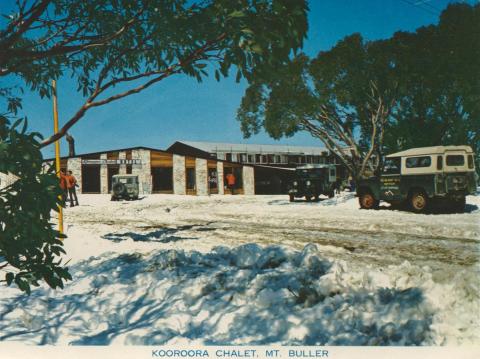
[256, 270]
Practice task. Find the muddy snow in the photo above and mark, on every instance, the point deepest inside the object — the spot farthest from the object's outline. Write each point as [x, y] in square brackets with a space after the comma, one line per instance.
[256, 270]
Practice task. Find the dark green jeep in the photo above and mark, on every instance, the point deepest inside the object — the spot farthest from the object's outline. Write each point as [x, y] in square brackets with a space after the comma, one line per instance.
[125, 187]
[420, 177]
[313, 180]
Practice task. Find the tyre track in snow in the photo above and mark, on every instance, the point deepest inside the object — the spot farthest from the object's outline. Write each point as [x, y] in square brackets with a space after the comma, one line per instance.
[378, 238]
[382, 248]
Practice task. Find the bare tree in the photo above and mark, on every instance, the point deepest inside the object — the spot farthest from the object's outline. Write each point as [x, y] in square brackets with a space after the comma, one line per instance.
[333, 126]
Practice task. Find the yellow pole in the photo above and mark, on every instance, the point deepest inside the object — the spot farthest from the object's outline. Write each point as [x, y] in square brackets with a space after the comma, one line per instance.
[57, 150]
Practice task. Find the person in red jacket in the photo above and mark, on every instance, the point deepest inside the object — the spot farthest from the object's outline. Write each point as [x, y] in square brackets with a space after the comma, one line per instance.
[63, 186]
[231, 182]
[71, 184]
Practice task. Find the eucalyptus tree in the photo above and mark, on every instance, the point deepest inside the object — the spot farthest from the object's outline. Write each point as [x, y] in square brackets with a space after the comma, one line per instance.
[363, 99]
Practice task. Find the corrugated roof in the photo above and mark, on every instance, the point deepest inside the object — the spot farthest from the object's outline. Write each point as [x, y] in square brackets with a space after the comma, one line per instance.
[254, 148]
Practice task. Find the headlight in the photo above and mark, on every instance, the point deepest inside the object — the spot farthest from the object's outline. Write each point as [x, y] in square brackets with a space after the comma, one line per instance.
[308, 183]
[295, 183]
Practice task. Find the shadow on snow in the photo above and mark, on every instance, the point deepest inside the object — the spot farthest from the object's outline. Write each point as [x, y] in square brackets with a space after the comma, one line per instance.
[242, 295]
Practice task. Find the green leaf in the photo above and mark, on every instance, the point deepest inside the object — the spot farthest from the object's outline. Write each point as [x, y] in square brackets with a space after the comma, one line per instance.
[9, 278]
[236, 14]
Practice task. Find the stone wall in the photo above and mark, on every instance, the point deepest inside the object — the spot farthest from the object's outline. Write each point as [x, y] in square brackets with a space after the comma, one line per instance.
[123, 168]
[75, 165]
[221, 188]
[143, 170]
[201, 174]
[103, 175]
[179, 175]
[248, 180]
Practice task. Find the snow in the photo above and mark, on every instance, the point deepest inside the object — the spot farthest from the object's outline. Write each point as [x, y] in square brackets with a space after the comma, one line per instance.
[256, 270]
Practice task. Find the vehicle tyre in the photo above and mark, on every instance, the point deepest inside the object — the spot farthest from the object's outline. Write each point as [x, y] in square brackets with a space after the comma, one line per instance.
[118, 189]
[308, 198]
[331, 194]
[418, 202]
[292, 197]
[367, 201]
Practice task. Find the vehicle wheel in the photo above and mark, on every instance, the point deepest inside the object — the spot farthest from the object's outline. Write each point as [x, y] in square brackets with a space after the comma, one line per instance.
[292, 197]
[418, 202]
[308, 198]
[367, 201]
[317, 198]
[331, 194]
[118, 189]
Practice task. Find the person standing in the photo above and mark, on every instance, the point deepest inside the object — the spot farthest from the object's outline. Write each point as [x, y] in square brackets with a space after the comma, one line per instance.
[63, 186]
[71, 184]
[231, 182]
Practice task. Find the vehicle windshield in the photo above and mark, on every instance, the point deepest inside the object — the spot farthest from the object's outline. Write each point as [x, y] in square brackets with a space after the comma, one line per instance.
[310, 173]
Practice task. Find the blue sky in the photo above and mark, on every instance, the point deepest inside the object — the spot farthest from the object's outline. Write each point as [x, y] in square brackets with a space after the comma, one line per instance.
[181, 109]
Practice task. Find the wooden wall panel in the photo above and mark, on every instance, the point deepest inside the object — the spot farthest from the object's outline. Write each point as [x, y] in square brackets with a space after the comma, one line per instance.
[112, 155]
[189, 161]
[161, 159]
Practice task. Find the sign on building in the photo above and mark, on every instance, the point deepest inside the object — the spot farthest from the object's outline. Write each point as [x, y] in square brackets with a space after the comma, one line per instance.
[111, 162]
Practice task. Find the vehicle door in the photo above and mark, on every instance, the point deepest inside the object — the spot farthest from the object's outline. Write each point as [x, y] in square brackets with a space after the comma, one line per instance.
[390, 180]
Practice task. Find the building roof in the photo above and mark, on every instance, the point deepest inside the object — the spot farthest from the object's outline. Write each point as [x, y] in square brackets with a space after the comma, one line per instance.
[108, 151]
[254, 148]
[430, 151]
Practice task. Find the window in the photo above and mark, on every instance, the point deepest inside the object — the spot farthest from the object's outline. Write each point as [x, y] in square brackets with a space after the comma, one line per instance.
[455, 160]
[392, 166]
[228, 157]
[470, 161]
[257, 158]
[250, 158]
[416, 162]
[439, 162]
[212, 179]
[190, 178]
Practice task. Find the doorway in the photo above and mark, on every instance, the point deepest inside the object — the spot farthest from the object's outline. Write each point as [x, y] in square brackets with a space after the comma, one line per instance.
[162, 179]
[90, 178]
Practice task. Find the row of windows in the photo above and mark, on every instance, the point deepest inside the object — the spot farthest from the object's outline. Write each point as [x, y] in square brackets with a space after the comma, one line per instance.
[392, 165]
[271, 158]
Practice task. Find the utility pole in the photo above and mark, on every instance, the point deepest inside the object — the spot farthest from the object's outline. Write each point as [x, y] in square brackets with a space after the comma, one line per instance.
[57, 151]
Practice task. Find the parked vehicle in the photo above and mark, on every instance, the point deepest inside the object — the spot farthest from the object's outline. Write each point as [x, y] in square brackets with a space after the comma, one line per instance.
[422, 177]
[313, 180]
[125, 187]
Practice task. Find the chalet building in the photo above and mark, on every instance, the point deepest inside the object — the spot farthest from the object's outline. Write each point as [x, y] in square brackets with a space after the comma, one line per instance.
[158, 171]
[273, 164]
